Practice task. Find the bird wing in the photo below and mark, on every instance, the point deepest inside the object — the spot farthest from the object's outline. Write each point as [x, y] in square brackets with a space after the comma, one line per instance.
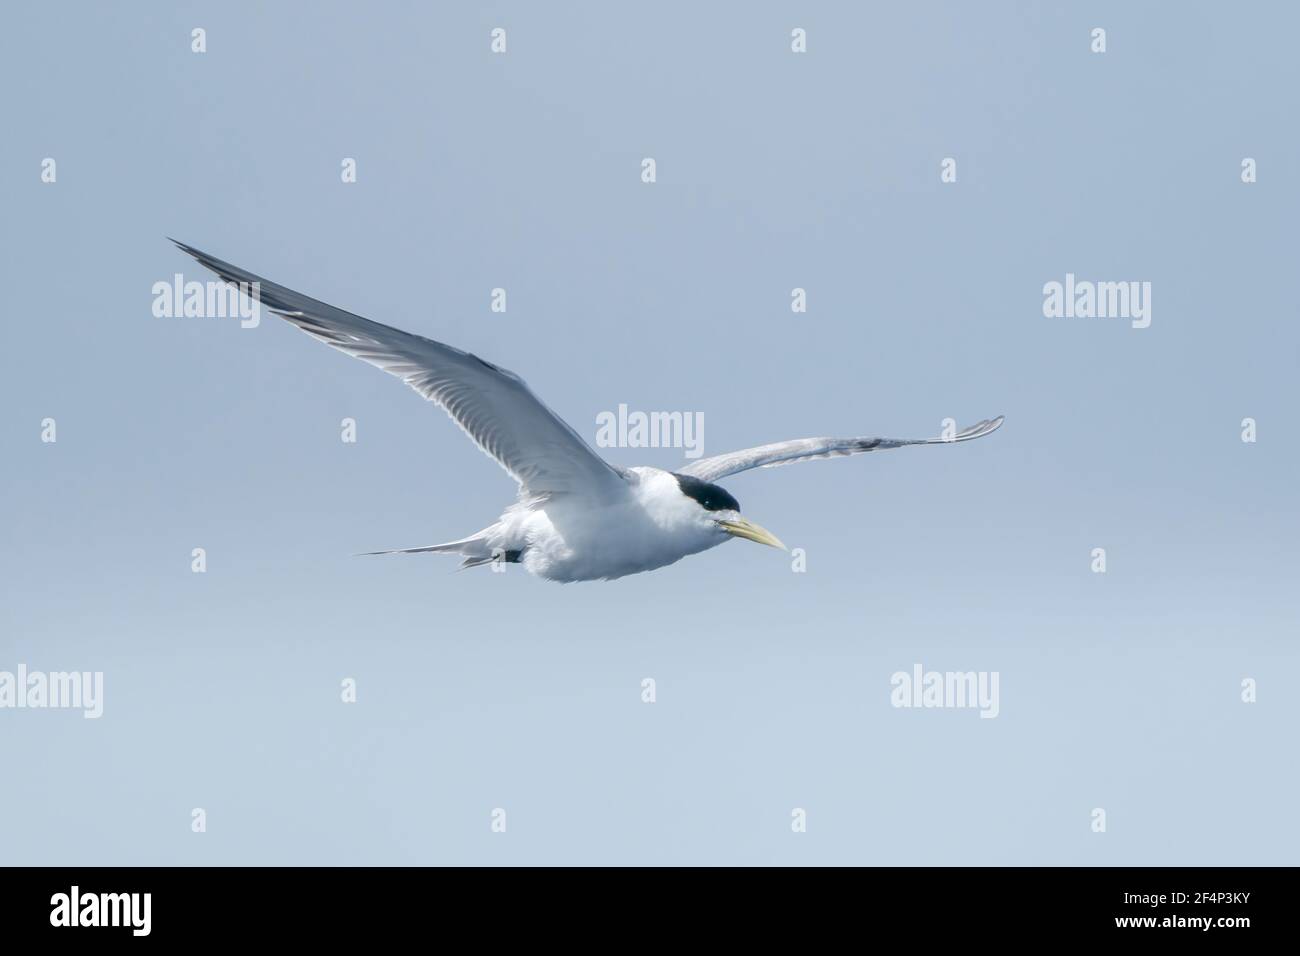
[806, 449]
[492, 405]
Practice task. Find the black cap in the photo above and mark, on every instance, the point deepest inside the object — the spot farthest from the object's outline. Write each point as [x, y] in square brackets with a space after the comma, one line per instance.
[709, 496]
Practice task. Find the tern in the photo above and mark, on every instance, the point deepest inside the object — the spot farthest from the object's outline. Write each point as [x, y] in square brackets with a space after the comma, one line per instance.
[577, 517]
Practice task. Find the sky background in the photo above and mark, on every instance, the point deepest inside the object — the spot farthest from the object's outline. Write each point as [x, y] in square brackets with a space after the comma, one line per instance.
[775, 170]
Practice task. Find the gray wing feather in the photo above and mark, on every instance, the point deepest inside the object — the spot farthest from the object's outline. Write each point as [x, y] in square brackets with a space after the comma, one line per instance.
[806, 449]
[491, 404]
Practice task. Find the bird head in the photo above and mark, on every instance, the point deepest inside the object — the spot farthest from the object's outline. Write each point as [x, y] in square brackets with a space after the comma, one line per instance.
[719, 510]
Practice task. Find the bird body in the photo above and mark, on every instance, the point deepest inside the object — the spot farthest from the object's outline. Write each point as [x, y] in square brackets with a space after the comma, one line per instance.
[577, 518]
[566, 538]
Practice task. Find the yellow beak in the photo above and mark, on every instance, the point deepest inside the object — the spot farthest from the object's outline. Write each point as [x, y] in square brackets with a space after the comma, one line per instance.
[751, 532]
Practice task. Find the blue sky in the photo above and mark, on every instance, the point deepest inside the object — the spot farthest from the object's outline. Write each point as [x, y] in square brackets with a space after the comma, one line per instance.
[775, 171]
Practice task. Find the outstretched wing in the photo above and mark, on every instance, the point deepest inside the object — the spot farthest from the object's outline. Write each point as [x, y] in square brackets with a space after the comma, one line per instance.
[493, 406]
[806, 449]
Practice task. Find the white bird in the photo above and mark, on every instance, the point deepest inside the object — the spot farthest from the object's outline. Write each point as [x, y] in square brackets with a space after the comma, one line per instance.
[577, 517]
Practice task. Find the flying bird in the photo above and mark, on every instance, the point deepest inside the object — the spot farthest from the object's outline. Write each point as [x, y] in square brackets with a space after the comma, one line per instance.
[577, 517]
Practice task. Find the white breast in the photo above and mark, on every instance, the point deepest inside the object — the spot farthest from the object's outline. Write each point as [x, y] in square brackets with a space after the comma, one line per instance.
[567, 539]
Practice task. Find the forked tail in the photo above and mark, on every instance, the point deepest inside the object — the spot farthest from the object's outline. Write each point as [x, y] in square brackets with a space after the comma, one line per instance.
[475, 549]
